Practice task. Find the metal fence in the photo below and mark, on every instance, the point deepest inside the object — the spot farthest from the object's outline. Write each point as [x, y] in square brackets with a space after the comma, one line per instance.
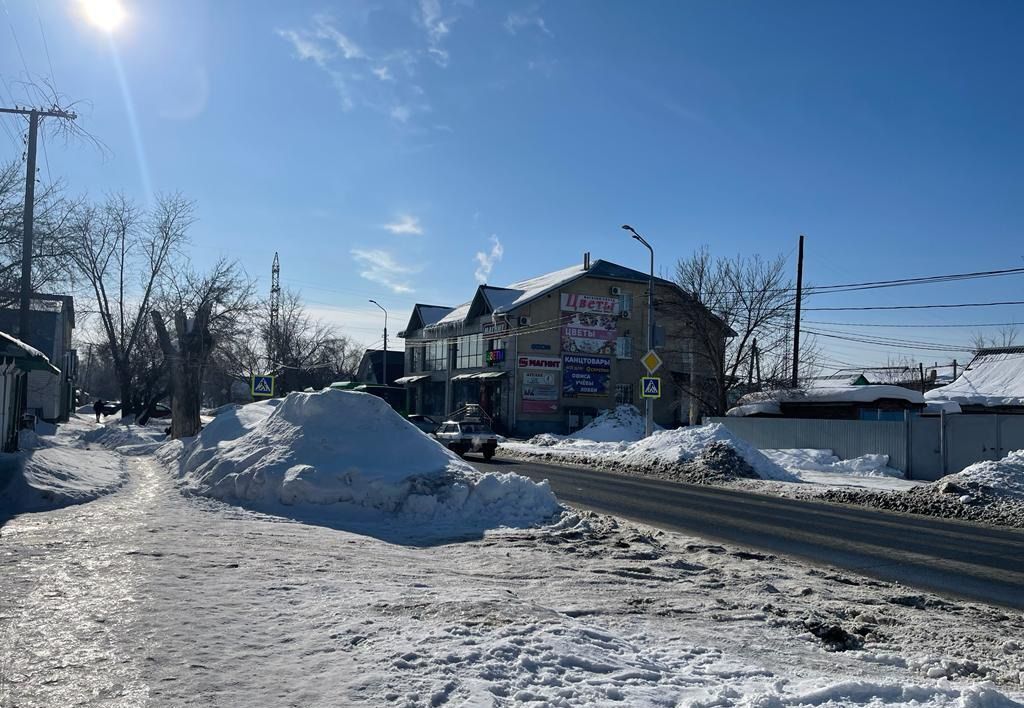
[921, 447]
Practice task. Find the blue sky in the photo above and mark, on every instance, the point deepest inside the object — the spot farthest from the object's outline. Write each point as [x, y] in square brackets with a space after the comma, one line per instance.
[380, 146]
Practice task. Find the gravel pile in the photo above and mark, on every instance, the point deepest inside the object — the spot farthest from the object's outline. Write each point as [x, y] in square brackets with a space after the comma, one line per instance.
[718, 463]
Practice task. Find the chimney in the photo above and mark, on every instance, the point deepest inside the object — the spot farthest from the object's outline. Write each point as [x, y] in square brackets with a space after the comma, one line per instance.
[586, 261]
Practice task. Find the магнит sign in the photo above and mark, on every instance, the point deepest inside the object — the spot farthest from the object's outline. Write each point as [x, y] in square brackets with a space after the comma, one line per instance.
[539, 362]
[585, 375]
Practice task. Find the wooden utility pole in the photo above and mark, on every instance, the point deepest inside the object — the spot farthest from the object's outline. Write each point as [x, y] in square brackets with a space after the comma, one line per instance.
[796, 320]
[29, 213]
[954, 369]
[920, 367]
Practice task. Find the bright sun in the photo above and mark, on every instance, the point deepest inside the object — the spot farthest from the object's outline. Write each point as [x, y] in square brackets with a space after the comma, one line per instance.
[105, 14]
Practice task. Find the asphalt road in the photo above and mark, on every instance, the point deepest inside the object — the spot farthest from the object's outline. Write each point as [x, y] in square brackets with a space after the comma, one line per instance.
[958, 558]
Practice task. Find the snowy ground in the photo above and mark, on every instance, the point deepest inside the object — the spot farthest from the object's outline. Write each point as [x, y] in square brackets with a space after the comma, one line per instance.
[148, 597]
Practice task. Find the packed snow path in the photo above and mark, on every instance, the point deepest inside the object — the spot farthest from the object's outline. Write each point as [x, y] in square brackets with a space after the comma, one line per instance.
[964, 559]
[148, 598]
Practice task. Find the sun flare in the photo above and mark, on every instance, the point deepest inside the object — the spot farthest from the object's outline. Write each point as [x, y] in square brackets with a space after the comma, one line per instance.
[104, 14]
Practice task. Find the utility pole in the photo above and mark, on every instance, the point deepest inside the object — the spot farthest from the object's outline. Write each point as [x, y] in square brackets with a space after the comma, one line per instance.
[920, 367]
[796, 321]
[275, 313]
[954, 369]
[29, 213]
[649, 403]
[384, 366]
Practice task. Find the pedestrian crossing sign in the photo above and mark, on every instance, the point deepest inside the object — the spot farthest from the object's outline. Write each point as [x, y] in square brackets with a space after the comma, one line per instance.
[262, 386]
[650, 387]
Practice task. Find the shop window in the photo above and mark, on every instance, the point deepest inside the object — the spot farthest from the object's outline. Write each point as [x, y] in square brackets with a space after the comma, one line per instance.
[470, 352]
[436, 355]
[623, 394]
[624, 348]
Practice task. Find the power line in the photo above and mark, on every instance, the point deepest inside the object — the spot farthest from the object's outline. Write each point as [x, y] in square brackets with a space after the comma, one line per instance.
[902, 325]
[914, 307]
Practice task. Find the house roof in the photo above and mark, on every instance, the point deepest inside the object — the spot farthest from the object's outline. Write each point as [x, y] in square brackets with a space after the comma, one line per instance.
[995, 377]
[835, 394]
[505, 299]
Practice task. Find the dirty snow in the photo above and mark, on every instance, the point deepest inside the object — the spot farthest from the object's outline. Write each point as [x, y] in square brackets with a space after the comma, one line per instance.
[664, 449]
[351, 452]
[1000, 478]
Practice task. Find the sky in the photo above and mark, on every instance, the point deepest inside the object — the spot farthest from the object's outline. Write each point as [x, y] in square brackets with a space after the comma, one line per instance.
[406, 151]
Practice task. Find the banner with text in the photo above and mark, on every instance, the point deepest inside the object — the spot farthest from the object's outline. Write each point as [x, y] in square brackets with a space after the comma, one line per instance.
[540, 392]
[585, 375]
[589, 324]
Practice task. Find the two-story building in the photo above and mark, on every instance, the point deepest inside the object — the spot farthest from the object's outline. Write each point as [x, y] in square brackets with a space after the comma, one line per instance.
[547, 354]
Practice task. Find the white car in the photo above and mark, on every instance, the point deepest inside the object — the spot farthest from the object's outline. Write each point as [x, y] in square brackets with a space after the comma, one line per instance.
[462, 437]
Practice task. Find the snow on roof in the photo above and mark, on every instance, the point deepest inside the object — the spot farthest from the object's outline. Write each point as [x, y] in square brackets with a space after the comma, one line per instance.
[32, 358]
[994, 378]
[760, 408]
[835, 394]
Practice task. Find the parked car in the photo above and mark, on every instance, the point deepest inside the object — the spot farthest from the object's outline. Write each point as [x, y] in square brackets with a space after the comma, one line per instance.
[425, 423]
[160, 411]
[463, 437]
[111, 407]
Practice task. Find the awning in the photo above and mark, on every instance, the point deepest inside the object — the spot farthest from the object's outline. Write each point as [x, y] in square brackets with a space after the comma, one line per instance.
[412, 379]
[479, 375]
[26, 357]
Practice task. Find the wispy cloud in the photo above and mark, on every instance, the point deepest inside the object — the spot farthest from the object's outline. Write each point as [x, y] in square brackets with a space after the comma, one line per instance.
[401, 113]
[516, 22]
[307, 47]
[486, 260]
[383, 73]
[437, 28]
[326, 29]
[406, 224]
[381, 267]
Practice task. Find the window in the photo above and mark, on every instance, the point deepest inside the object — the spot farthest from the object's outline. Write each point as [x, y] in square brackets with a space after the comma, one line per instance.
[625, 302]
[623, 393]
[470, 352]
[436, 353]
[624, 348]
[416, 357]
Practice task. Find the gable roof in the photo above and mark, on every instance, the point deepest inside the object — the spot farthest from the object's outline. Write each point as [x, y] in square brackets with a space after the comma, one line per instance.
[995, 377]
[423, 316]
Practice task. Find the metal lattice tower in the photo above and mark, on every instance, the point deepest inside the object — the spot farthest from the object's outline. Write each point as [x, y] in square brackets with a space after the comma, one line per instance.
[275, 311]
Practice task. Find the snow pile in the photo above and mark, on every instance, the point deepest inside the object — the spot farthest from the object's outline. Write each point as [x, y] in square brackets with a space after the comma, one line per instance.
[50, 472]
[665, 450]
[624, 423]
[351, 451]
[126, 438]
[801, 459]
[1001, 478]
[669, 447]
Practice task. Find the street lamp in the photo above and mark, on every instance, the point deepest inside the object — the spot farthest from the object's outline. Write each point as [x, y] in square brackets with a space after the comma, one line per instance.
[649, 403]
[385, 364]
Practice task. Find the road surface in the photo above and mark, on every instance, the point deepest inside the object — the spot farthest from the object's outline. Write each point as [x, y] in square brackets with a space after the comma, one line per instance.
[954, 557]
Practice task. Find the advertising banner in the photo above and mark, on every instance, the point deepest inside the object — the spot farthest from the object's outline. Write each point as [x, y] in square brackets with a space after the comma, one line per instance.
[585, 375]
[589, 324]
[540, 392]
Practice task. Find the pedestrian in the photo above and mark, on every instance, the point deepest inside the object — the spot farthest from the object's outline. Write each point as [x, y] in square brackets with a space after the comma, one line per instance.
[97, 408]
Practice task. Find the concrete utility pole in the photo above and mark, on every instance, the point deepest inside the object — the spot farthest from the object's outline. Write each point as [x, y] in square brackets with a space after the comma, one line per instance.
[384, 366]
[29, 213]
[649, 403]
[796, 321]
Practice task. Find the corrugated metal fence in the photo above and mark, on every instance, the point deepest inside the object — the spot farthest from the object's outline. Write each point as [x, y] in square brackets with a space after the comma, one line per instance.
[923, 448]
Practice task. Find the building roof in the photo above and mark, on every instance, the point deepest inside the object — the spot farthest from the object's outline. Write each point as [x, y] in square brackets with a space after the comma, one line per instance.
[26, 357]
[505, 299]
[994, 378]
[835, 394]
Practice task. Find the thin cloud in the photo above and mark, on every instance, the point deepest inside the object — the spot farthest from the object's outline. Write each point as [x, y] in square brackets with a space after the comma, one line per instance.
[306, 47]
[380, 267]
[401, 113]
[325, 29]
[383, 73]
[487, 260]
[405, 225]
[437, 28]
[516, 22]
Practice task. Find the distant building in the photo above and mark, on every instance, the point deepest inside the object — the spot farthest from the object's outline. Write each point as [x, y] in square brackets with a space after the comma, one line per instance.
[547, 354]
[371, 366]
[51, 323]
[992, 383]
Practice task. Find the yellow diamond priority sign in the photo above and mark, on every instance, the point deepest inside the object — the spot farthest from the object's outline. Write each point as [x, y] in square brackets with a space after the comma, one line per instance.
[651, 361]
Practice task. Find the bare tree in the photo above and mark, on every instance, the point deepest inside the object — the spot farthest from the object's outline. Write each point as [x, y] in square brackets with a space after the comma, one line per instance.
[752, 296]
[1005, 337]
[125, 256]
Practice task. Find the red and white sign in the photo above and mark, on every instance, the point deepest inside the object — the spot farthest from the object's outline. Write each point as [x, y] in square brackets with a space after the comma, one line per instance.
[576, 302]
[553, 363]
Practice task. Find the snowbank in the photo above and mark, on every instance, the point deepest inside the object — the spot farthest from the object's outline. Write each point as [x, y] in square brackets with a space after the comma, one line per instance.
[836, 394]
[51, 472]
[126, 438]
[624, 423]
[351, 452]
[796, 460]
[664, 448]
[992, 379]
[1000, 478]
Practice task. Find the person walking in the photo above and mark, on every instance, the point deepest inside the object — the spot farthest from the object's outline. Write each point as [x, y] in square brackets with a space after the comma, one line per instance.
[97, 408]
